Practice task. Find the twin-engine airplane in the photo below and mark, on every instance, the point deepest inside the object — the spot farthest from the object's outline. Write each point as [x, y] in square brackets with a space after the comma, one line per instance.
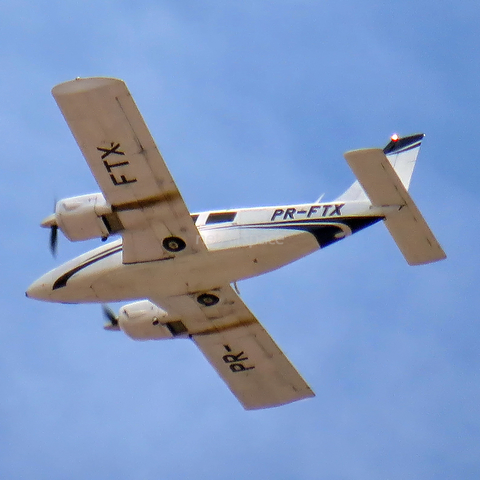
[182, 265]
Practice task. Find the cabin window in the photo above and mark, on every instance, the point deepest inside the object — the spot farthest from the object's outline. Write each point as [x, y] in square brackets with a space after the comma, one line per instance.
[194, 218]
[221, 217]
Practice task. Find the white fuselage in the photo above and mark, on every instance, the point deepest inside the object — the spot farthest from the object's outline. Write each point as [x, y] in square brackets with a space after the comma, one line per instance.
[241, 243]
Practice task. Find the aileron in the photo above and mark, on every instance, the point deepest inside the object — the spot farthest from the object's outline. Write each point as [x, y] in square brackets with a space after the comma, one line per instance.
[254, 368]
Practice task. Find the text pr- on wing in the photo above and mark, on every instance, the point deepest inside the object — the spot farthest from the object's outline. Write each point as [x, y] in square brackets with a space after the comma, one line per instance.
[242, 352]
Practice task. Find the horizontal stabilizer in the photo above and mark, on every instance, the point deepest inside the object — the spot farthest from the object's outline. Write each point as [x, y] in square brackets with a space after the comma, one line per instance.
[385, 189]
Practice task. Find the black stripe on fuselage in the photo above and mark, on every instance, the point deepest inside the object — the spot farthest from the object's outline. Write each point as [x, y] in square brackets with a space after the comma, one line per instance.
[61, 281]
[324, 230]
[327, 234]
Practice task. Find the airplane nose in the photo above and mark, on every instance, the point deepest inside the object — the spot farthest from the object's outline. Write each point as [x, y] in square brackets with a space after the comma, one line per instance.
[40, 289]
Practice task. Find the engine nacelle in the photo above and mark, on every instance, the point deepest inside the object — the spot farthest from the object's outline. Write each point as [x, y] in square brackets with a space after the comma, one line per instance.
[145, 321]
[84, 217]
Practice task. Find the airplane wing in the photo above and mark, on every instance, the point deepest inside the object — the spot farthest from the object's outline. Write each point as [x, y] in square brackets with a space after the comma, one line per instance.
[147, 207]
[240, 349]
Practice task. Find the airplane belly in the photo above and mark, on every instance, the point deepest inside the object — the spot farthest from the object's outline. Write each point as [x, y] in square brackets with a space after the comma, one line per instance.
[260, 258]
[104, 278]
[130, 282]
[200, 272]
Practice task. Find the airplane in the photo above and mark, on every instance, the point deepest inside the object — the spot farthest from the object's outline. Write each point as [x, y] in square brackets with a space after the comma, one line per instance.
[179, 270]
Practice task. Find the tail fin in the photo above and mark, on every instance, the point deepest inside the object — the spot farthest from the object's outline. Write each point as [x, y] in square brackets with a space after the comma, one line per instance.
[402, 154]
[386, 185]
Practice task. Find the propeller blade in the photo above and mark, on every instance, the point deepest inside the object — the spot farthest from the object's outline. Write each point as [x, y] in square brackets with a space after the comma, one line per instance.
[51, 223]
[112, 319]
[54, 239]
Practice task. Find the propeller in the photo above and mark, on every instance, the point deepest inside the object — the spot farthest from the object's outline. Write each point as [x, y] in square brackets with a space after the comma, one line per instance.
[53, 239]
[112, 319]
[51, 223]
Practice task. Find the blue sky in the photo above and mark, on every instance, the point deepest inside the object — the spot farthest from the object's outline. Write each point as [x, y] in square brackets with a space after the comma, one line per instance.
[251, 103]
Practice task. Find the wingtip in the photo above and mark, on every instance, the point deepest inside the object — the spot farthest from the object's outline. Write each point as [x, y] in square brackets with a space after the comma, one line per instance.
[79, 85]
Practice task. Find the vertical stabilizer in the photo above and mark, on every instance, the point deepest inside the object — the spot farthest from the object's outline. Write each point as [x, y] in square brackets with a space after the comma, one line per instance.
[402, 154]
